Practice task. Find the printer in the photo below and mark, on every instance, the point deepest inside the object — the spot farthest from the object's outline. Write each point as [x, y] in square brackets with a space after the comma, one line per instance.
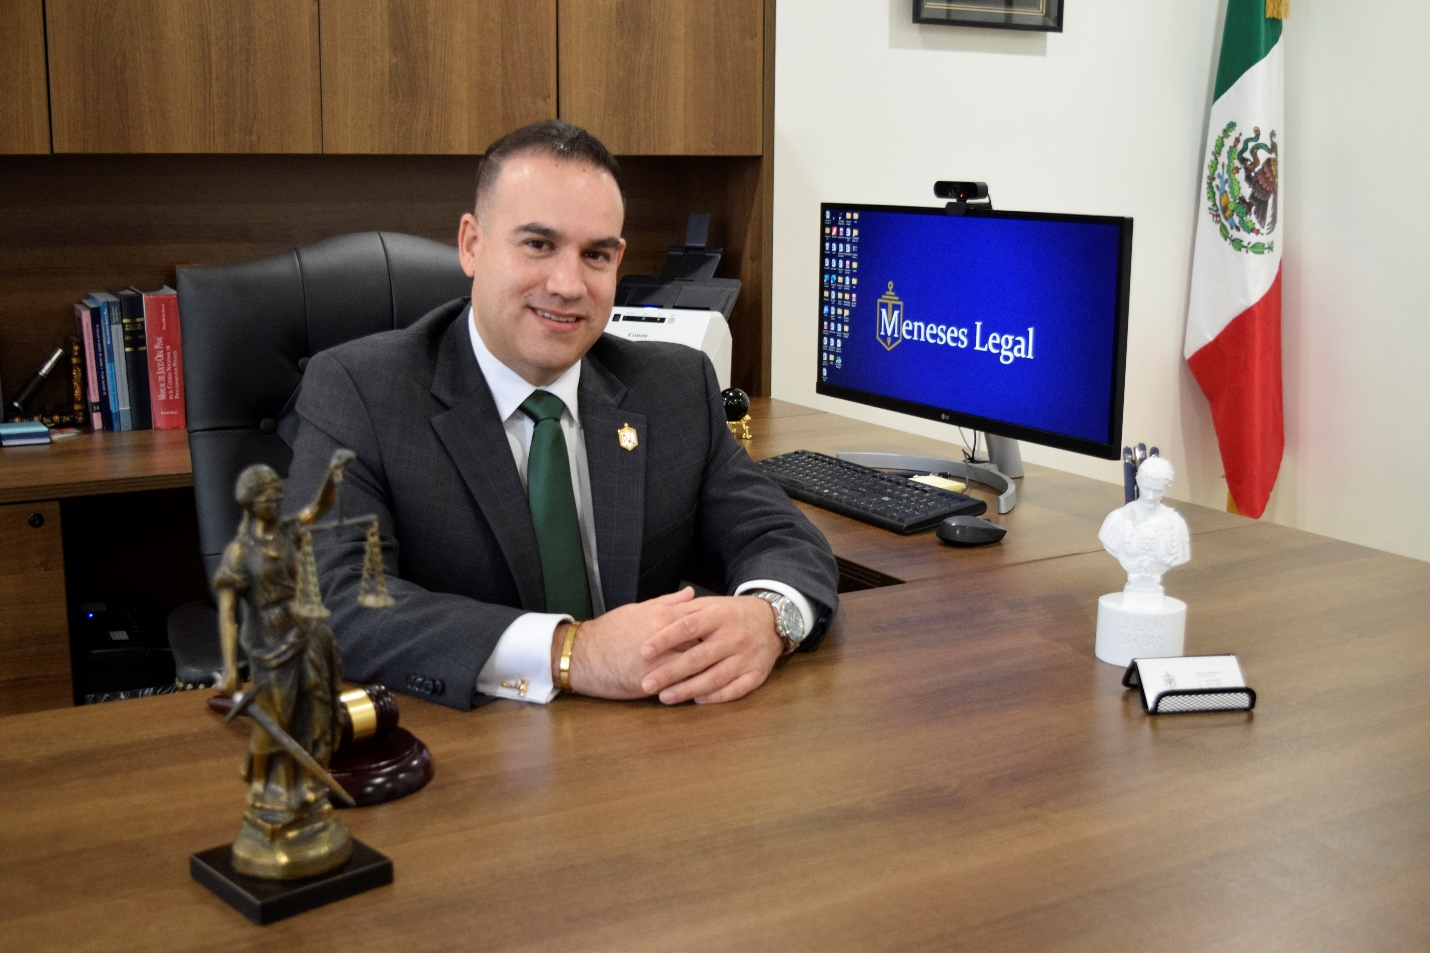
[684, 304]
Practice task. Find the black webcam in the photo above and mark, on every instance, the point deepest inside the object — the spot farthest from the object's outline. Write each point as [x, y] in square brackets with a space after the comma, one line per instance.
[961, 191]
[963, 196]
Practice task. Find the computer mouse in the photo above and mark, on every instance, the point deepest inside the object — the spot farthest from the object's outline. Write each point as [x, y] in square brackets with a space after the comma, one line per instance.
[969, 531]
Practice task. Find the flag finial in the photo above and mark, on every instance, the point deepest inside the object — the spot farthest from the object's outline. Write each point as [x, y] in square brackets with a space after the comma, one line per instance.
[1278, 9]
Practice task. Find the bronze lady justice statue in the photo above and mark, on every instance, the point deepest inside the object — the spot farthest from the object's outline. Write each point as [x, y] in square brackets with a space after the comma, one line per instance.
[289, 828]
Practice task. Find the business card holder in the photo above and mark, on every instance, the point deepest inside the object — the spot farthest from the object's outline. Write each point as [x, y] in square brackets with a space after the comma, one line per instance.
[1158, 700]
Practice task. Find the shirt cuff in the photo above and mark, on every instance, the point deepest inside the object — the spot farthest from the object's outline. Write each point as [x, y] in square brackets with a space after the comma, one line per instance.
[520, 666]
[806, 611]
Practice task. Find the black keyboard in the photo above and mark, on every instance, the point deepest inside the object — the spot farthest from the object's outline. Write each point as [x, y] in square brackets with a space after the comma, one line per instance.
[887, 501]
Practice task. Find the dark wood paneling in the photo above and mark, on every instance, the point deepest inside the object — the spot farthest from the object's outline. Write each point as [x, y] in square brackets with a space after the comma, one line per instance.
[767, 209]
[184, 75]
[24, 96]
[34, 631]
[660, 192]
[70, 225]
[434, 76]
[665, 77]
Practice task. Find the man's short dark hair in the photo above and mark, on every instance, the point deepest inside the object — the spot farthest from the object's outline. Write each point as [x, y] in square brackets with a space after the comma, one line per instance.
[553, 138]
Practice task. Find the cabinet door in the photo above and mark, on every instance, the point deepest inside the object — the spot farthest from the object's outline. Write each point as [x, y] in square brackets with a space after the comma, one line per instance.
[434, 76]
[184, 75]
[34, 626]
[24, 101]
[665, 77]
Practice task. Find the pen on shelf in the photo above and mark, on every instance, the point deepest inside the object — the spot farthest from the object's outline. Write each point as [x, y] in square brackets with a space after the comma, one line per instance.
[36, 382]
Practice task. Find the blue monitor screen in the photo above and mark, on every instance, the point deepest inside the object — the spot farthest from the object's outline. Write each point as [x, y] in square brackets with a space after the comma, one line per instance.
[1013, 323]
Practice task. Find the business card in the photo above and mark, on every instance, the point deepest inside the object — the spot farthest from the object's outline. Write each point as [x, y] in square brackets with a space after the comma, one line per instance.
[1187, 673]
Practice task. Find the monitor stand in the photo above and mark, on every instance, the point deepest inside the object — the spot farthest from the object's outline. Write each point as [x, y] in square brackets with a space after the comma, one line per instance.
[1005, 463]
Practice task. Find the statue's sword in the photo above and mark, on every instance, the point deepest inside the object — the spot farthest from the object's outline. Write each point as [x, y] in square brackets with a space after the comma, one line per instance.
[243, 705]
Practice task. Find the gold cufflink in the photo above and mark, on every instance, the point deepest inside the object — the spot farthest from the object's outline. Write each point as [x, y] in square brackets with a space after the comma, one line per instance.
[519, 686]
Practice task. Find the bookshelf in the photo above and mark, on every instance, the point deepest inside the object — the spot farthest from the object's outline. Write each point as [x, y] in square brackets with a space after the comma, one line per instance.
[94, 464]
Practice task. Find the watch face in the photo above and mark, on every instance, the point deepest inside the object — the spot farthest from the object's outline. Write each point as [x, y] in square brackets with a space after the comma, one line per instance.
[791, 622]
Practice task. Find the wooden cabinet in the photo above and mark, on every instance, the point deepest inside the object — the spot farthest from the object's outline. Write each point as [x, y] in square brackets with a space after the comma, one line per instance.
[129, 535]
[24, 100]
[184, 75]
[649, 77]
[665, 77]
[434, 77]
[34, 628]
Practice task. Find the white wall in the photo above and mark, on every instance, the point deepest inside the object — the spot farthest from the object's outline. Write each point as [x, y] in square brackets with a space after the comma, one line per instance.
[1108, 118]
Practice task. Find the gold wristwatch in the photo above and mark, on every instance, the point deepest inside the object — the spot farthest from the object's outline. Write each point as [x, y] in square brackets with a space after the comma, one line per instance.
[789, 623]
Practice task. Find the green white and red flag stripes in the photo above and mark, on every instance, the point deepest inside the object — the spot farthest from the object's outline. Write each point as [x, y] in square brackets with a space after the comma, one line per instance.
[1233, 342]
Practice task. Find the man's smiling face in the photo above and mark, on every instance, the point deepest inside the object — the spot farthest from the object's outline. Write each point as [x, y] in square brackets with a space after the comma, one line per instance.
[543, 253]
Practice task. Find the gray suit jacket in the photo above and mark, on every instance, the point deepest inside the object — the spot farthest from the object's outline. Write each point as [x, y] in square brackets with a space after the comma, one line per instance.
[458, 545]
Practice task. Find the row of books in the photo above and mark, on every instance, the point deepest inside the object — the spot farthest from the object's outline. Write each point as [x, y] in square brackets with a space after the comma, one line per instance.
[133, 359]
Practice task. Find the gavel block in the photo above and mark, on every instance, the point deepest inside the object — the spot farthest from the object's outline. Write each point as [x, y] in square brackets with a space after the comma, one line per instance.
[377, 760]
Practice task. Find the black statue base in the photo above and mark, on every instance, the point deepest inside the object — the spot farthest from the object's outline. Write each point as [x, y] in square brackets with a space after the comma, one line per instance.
[266, 901]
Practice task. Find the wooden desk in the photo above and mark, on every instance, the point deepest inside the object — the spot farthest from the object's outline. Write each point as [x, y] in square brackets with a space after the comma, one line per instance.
[1058, 514]
[34, 621]
[95, 463]
[953, 769]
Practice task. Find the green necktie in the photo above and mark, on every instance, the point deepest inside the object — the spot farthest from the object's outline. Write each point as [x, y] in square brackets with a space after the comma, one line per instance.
[553, 509]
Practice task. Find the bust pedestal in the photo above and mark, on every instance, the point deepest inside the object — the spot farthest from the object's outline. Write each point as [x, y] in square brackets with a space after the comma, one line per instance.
[1139, 625]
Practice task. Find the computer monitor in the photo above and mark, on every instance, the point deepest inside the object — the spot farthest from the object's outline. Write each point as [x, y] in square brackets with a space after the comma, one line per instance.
[1011, 323]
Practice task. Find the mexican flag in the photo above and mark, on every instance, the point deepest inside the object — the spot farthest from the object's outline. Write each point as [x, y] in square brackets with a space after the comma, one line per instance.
[1233, 342]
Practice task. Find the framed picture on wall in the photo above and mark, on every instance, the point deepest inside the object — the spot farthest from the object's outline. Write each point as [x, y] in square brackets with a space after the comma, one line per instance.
[1045, 15]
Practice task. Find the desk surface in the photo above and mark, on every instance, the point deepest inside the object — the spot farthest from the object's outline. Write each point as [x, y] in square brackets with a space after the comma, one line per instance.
[95, 463]
[953, 769]
[1054, 511]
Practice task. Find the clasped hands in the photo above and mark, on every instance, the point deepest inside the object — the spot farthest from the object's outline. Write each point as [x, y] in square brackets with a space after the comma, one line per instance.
[682, 648]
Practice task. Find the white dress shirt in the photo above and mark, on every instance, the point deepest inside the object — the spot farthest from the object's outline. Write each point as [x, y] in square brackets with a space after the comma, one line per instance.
[520, 666]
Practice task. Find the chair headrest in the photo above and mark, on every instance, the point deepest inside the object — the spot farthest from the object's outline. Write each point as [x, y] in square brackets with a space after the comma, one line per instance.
[249, 329]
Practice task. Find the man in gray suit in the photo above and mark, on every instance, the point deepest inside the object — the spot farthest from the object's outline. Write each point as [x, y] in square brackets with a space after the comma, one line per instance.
[536, 479]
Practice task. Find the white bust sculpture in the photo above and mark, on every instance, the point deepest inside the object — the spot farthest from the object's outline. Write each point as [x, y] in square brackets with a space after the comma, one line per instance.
[1146, 536]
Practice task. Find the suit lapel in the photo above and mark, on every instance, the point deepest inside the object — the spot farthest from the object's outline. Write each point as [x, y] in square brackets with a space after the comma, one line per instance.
[617, 481]
[476, 440]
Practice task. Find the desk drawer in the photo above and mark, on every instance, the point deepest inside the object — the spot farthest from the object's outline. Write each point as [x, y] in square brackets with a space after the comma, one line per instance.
[34, 627]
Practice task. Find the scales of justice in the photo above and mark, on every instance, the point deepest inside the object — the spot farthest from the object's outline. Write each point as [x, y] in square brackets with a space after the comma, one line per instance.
[293, 851]
[1148, 538]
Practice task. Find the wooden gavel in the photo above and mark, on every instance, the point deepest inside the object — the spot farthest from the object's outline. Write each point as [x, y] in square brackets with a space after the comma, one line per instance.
[364, 714]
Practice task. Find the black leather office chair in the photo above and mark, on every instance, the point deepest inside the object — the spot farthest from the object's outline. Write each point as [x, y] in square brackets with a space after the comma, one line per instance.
[248, 331]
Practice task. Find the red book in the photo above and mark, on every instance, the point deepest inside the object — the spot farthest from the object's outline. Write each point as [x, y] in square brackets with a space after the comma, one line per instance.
[166, 358]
